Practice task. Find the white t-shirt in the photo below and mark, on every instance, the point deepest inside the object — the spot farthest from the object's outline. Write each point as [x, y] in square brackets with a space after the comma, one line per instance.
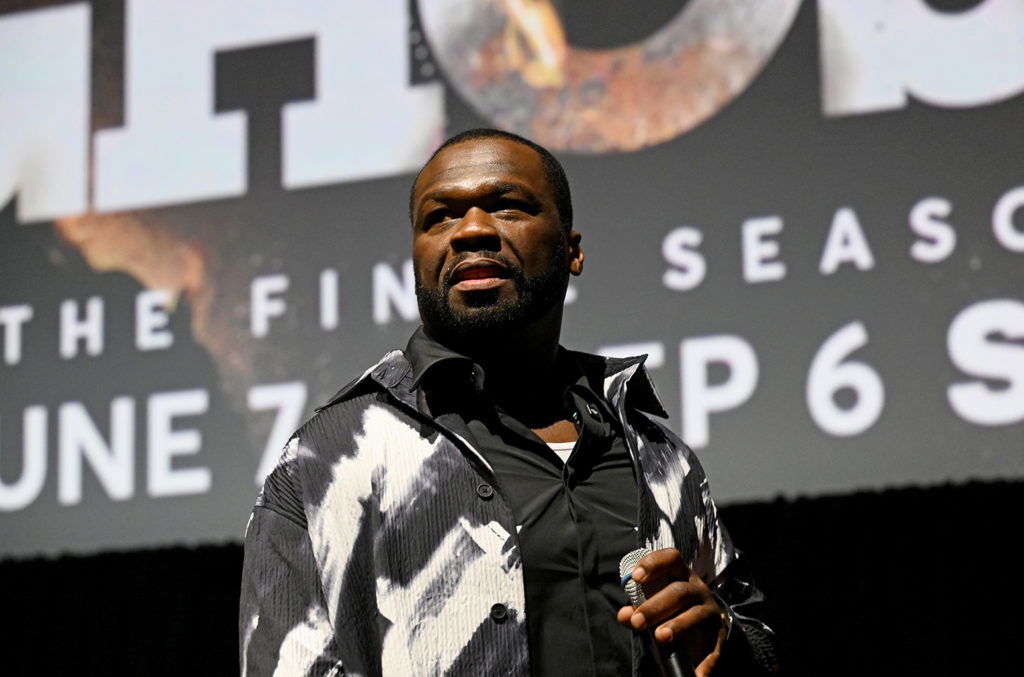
[562, 449]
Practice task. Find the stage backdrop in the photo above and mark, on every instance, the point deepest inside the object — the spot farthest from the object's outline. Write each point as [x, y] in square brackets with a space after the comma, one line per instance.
[810, 216]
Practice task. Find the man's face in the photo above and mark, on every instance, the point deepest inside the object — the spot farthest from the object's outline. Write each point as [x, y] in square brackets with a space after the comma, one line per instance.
[489, 251]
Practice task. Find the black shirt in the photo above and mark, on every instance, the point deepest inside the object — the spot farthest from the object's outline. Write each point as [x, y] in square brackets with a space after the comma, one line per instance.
[574, 520]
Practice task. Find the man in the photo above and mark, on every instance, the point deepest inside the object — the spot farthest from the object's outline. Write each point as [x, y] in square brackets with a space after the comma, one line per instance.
[462, 507]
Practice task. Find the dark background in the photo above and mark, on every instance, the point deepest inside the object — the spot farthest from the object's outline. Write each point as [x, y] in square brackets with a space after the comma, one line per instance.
[769, 151]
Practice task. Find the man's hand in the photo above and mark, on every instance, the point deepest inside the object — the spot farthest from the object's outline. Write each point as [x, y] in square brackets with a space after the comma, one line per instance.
[683, 610]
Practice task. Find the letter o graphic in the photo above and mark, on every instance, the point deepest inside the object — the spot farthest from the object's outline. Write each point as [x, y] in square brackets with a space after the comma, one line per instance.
[510, 60]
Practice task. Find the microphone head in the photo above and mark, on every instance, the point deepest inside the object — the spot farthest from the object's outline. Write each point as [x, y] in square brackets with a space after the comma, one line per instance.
[634, 591]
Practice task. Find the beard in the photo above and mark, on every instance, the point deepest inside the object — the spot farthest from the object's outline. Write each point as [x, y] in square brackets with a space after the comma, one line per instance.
[485, 312]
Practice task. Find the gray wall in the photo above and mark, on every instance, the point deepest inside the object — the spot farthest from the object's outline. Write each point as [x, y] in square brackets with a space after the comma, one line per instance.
[811, 217]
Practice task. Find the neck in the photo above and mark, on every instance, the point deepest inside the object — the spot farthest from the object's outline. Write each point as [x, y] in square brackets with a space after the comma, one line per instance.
[528, 384]
[522, 374]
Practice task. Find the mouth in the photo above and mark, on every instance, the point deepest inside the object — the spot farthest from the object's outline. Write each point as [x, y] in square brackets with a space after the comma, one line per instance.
[478, 274]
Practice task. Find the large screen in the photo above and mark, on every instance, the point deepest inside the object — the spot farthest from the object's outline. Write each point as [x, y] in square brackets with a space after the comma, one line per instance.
[809, 215]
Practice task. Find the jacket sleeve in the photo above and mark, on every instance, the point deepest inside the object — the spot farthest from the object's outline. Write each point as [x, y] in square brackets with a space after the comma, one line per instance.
[750, 647]
[284, 628]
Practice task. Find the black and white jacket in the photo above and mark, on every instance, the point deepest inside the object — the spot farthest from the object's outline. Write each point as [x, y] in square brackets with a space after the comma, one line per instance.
[378, 545]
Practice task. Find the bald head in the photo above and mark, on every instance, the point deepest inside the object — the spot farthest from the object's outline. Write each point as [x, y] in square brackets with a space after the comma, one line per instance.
[553, 171]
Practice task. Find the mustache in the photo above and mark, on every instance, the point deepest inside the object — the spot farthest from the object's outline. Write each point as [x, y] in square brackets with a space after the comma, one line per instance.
[511, 267]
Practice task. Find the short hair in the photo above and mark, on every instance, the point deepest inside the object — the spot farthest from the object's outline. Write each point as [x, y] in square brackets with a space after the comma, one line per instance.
[553, 171]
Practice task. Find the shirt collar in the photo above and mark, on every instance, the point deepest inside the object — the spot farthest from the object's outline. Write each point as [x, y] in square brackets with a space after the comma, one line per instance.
[425, 355]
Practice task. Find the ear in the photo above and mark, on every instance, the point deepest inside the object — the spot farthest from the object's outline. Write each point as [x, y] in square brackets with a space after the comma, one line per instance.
[575, 253]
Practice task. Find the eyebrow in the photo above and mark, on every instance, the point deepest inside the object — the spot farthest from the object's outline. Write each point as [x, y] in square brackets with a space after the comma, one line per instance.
[487, 188]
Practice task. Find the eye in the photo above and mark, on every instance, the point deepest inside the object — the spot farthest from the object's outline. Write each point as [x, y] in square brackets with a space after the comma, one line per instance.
[508, 204]
[437, 216]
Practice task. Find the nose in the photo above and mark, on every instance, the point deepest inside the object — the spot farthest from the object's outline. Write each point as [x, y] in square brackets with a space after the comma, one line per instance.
[476, 232]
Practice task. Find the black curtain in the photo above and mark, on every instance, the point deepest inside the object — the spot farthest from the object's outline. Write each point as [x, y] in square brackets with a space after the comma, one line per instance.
[901, 582]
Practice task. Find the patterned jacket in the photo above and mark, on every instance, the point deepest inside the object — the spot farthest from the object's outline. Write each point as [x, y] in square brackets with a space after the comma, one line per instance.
[379, 546]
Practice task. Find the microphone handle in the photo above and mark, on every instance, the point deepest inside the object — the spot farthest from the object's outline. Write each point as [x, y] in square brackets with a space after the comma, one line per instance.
[670, 664]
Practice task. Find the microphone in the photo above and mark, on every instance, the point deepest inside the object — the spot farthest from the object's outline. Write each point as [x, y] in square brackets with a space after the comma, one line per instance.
[670, 663]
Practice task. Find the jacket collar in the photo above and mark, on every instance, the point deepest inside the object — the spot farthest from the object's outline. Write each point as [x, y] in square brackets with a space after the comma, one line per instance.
[625, 376]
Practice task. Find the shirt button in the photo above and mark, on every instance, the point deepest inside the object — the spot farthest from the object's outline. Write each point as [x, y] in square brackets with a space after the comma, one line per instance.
[485, 491]
[499, 613]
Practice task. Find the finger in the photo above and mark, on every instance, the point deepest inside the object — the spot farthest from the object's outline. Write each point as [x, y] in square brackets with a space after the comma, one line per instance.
[665, 564]
[707, 665]
[625, 613]
[675, 597]
[687, 623]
